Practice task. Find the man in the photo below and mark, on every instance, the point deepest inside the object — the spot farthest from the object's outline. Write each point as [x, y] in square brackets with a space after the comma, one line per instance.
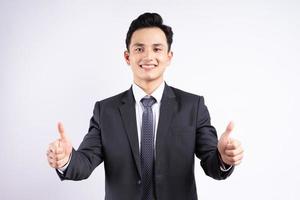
[148, 135]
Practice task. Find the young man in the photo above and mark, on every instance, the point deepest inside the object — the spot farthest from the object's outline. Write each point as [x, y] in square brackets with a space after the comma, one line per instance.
[148, 135]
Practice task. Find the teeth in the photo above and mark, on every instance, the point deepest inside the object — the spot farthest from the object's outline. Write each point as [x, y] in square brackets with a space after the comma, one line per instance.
[147, 66]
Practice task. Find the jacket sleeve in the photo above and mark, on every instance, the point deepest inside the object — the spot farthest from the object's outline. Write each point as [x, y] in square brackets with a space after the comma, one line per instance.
[89, 154]
[206, 144]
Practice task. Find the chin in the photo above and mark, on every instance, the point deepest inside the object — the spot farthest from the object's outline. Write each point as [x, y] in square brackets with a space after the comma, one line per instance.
[151, 79]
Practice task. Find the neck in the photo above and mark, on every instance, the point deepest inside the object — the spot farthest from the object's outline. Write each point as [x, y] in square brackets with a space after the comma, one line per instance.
[149, 86]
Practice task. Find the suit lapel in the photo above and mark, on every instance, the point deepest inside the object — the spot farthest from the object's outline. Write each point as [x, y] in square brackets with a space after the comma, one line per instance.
[127, 110]
[168, 107]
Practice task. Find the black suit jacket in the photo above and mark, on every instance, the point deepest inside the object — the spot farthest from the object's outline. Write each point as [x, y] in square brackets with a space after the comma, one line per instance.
[183, 131]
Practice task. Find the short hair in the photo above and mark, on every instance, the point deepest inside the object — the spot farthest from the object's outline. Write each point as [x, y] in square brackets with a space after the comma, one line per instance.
[149, 20]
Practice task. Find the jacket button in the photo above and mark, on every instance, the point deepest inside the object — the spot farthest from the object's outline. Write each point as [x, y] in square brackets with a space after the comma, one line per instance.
[139, 182]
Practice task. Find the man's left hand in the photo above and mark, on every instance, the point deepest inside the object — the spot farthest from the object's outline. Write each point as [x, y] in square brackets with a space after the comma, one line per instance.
[230, 149]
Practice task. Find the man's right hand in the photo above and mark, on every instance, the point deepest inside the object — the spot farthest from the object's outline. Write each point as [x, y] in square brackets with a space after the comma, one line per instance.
[59, 151]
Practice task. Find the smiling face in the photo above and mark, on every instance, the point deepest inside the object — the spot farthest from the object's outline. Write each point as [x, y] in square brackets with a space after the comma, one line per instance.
[148, 56]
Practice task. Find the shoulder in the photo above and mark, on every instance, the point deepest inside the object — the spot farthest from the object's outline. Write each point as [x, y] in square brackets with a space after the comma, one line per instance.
[116, 99]
[186, 96]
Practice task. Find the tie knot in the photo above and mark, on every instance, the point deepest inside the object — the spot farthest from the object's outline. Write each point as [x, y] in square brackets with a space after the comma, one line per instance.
[148, 101]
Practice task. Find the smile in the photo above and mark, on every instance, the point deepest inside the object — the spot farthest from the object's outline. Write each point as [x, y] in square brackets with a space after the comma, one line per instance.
[148, 66]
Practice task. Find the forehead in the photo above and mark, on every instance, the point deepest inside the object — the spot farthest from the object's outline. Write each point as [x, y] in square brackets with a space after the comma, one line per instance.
[148, 36]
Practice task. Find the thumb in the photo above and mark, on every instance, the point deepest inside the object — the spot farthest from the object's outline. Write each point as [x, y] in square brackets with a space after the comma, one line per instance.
[228, 130]
[61, 131]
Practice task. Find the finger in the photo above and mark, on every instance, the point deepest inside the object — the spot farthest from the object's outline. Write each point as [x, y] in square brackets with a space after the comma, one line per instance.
[51, 160]
[52, 147]
[53, 150]
[59, 150]
[235, 163]
[229, 129]
[235, 160]
[234, 144]
[234, 152]
[62, 162]
[238, 158]
[56, 144]
[60, 156]
[51, 155]
[52, 163]
[61, 131]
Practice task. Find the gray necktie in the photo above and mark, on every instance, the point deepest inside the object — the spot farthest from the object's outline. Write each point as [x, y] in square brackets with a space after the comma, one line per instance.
[147, 150]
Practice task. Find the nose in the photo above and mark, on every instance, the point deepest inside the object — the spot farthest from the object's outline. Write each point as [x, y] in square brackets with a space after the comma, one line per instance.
[148, 55]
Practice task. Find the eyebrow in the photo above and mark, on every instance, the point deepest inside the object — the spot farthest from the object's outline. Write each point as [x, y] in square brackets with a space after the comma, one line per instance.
[158, 44]
[141, 44]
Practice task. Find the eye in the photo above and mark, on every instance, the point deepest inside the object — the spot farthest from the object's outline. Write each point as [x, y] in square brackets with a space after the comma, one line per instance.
[138, 49]
[157, 49]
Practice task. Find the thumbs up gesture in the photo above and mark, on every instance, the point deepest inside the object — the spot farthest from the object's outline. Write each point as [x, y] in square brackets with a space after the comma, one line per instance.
[230, 149]
[59, 151]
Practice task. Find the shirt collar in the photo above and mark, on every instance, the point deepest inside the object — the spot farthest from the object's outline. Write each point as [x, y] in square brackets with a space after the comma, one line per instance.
[139, 93]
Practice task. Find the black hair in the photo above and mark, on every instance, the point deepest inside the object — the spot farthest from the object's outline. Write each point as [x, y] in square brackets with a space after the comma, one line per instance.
[148, 20]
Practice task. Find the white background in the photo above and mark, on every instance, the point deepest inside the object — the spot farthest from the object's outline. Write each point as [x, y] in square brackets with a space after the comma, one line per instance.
[57, 58]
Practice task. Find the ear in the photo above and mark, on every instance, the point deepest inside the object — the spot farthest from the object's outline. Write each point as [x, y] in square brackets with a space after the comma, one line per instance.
[126, 56]
[170, 56]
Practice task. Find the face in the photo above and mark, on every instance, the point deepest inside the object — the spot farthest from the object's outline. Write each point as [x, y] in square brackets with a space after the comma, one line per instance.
[148, 55]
